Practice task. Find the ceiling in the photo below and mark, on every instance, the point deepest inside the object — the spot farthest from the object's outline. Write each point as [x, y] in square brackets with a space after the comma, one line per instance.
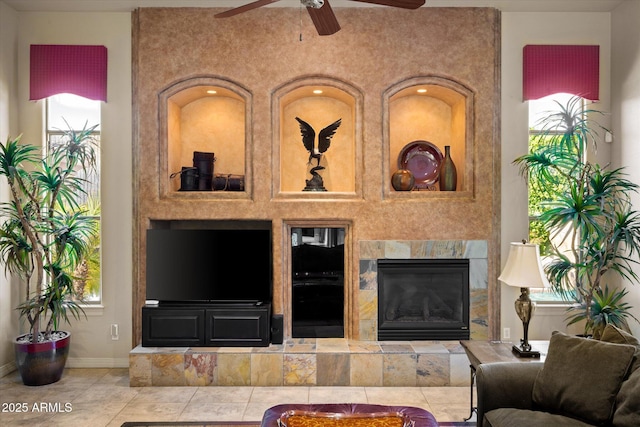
[128, 5]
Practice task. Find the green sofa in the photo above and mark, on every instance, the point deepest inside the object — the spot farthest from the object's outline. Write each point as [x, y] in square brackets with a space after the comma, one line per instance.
[582, 382]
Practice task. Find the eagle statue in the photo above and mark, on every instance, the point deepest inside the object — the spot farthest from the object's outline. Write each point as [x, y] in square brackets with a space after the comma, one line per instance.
[316, 152]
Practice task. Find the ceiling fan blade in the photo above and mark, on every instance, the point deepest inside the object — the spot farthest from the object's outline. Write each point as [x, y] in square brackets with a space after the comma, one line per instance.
[247, 7]
[404, 4]
[324, 19]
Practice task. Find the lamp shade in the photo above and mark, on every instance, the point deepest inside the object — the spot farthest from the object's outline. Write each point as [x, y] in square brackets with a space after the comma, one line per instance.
[524, 268]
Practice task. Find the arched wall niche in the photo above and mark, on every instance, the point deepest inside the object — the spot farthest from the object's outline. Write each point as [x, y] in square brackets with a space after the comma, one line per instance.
[207, 114]
[342, 161]
[433, 109]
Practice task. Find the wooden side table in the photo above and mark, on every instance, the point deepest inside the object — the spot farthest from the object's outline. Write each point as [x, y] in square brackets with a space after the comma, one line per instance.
[480, 352]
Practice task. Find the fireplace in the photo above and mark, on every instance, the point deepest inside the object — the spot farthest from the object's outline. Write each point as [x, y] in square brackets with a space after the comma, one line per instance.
[423, 299]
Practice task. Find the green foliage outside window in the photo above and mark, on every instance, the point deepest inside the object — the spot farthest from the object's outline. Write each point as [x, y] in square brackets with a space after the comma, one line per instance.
[87, 277]
[542, 194]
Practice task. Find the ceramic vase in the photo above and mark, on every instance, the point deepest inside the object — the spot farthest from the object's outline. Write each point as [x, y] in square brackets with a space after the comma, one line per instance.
[402, 180]
[448, 175]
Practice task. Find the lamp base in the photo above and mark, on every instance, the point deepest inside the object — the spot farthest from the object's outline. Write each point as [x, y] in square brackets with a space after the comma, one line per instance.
[524, 353]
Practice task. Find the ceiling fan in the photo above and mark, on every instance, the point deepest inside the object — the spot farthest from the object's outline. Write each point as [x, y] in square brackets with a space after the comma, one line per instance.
[321, 12]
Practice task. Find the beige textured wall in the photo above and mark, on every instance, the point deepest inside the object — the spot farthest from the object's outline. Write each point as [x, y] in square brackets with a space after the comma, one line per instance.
[376, 49]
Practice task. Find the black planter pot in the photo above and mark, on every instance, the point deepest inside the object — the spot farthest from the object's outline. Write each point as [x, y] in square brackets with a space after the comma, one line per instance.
[42, 363]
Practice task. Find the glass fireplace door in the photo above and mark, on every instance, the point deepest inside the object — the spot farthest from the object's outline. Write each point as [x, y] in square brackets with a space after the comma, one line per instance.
[317, 297]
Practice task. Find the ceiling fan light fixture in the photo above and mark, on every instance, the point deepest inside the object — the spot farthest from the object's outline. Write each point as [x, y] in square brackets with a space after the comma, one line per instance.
[320, 11]
[315, 4]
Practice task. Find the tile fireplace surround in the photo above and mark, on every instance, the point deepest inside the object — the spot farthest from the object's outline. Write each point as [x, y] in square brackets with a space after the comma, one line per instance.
[334, 361]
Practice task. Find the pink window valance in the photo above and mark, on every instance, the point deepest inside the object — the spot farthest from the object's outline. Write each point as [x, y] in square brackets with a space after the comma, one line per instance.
[549, 69]
[81, 70]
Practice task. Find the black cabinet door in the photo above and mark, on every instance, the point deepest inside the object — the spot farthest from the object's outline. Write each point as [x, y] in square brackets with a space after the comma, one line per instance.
[173, 327]
[237, 326]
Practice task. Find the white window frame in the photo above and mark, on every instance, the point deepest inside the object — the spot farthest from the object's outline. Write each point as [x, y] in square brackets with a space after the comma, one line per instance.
[537, 109]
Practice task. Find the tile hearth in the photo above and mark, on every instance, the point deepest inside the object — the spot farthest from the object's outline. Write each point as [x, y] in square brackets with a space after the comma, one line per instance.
[304, 362]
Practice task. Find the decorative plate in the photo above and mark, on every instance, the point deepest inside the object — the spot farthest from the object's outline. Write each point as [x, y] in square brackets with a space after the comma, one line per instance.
[422, 159]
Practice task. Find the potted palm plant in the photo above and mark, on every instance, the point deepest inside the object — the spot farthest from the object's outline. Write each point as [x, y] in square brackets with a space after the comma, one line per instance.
[608, 307]
[44, 237]
[593, 231]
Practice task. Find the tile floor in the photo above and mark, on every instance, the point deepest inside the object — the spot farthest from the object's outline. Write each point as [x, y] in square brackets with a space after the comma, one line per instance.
[103, 397]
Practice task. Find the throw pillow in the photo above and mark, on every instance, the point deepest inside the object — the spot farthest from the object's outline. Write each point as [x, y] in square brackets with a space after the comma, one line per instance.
[618, 336]
[581, 377]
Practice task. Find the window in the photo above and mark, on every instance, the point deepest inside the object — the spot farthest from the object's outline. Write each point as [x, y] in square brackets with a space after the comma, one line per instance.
[538, 195]
[64, 112]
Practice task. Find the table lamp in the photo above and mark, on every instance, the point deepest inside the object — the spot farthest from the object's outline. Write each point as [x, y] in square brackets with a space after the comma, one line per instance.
[524, 270]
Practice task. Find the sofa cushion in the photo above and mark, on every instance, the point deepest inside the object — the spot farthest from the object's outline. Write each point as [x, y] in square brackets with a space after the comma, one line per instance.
[509, 417]
[581, 377]
[627, 412]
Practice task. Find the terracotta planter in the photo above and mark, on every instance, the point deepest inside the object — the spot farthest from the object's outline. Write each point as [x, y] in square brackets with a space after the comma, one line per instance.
[42, 363]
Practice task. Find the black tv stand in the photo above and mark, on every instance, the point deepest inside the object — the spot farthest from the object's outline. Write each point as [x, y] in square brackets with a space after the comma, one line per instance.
[233, 324]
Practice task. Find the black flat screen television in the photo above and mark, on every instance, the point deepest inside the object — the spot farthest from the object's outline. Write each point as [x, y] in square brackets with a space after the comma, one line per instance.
[185, 265]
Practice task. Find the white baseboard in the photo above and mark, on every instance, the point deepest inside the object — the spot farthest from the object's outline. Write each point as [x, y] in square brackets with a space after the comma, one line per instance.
[7, 369]
[77, 362]
[97, 362]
